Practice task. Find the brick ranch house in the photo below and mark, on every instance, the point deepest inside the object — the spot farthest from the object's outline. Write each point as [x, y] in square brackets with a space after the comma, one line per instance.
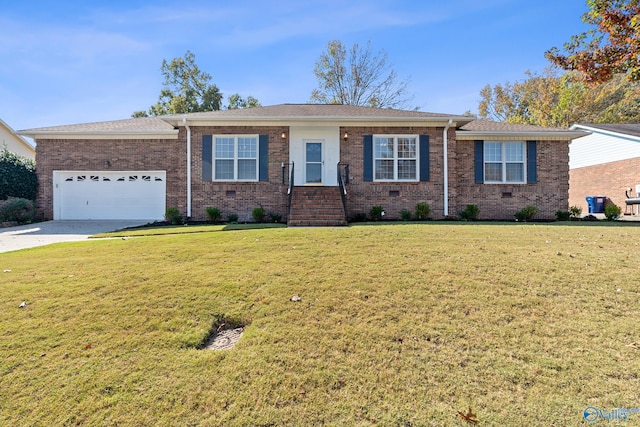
[296, 161]
[605, 163]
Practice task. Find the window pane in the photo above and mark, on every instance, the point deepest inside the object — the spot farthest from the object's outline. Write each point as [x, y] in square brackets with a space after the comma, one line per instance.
[384, 169]
[406, 169]
[515, 172]
[247, 148]
[224, 148]
[492, 152]
[407, 148]
[493, 171]
[246, 169]
[384, 148]
[514, 151]
[314, 173]
[224, 169]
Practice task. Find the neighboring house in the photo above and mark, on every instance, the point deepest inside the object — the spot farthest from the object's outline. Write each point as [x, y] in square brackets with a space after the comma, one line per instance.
[15, 143]
[604, 163]
[238, 160]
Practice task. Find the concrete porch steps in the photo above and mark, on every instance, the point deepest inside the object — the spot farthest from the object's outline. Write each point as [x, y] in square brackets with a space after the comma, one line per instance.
[316, 207]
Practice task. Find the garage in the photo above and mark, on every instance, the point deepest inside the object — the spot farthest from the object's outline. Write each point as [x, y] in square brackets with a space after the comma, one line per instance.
[138, 195]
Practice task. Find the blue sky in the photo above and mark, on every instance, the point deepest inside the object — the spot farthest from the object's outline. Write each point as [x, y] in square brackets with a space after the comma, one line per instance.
[67, 62]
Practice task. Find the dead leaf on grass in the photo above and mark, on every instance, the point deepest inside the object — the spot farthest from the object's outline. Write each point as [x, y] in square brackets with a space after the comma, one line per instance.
[632, 345]
[469, 417]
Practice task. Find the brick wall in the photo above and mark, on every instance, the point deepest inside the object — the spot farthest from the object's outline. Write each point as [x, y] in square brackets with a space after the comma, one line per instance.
[608, 179]
[498, 201]
[125, 155]
[242, 197]
[393, 197]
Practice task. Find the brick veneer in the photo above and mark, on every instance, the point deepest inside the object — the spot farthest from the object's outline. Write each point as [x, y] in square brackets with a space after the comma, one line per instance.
[608, 179]
[122, 155]
[242, 197]
[498, 201]
[549, 194]
[393, 197]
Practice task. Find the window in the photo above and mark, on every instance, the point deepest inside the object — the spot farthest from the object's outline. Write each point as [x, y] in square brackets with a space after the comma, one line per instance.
[235, 158]
[504, 162]
[395, 157]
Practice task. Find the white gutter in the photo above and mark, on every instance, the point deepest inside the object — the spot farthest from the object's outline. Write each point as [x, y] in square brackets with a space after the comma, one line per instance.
[184, 120]
[445, 143]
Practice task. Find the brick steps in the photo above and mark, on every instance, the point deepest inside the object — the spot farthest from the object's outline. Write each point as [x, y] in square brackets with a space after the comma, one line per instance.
[316, 207]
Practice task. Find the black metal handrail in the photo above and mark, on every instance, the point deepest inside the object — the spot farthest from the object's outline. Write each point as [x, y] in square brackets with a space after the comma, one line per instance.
[342, 185]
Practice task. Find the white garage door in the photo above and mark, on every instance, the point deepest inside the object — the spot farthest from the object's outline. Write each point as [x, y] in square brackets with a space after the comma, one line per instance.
[109, 195]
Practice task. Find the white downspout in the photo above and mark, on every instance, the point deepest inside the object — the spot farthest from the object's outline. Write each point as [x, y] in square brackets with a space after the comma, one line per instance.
[446, 167]
[184, 120]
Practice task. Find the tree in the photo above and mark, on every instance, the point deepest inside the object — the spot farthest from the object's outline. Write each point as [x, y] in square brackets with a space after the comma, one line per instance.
[187, 89]
[236, 101]
[17, 176]
[560, 100]
[613, 47]
[358, 77]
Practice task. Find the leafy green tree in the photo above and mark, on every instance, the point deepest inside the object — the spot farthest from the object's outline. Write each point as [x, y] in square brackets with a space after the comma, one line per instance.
[559, 100]
[17, 176]
[187, 89]
[358, 77]
[236, 101]
[612, 47]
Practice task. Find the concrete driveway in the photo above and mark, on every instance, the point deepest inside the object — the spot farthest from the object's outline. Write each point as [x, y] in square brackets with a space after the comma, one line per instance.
[45, 233]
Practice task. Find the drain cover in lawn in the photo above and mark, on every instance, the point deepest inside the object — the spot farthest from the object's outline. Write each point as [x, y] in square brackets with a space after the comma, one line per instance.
[225, 339]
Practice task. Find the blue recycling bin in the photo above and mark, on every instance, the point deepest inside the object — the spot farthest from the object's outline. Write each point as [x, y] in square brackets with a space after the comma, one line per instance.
[591, 203]
[596, 204]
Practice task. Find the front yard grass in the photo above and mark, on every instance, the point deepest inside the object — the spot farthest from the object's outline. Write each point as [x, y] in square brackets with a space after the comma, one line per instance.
[402, 324]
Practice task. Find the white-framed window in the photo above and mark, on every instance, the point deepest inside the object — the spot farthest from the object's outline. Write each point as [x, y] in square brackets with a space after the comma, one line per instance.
[395, 157]
[504, 162]
[235, 158]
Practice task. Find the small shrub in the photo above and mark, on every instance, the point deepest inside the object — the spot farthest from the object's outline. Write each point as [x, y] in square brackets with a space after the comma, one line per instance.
[258, 214]
[274, 217]
[376, 213]
[359, 217]
[575, 212]
[17, 209]
[405, 215]
[526, 213]
[172, 215]
[612, 212]
[232, 218]
[213, 214]
[422, 211]
[470, 213]
[563, 215]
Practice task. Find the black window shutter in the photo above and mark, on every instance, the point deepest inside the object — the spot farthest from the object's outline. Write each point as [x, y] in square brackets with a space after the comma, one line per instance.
[478, 156]
[263, 162]
[424, 157]
[532, 173]
[207, 154]
[368, 157]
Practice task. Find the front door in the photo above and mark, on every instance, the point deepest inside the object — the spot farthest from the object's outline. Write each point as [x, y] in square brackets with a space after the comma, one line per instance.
[313, 163]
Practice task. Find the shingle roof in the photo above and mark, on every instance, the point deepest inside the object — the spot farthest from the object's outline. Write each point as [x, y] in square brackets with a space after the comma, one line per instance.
[312, 111]
[143, 124]
[632, 129]
[491, 126]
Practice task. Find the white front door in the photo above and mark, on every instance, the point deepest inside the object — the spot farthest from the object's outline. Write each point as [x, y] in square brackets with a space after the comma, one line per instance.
[313, 162]
[315, 151]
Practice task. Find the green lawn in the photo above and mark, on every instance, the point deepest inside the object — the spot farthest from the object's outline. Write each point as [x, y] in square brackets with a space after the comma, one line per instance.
[399, 325]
